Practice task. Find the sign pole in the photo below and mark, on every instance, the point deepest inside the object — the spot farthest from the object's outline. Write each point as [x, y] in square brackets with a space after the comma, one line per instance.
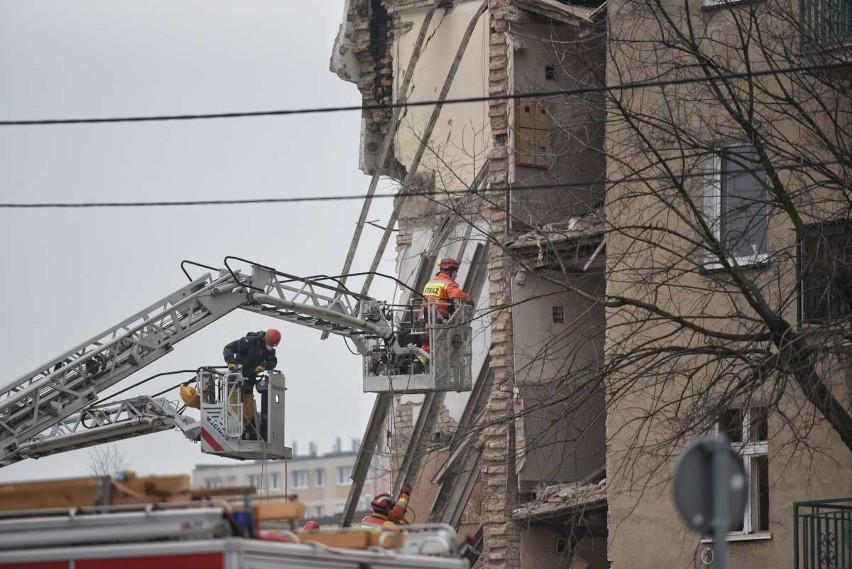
[721, 508]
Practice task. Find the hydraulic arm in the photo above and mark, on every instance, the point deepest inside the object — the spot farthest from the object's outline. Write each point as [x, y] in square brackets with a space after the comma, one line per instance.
[38, 409]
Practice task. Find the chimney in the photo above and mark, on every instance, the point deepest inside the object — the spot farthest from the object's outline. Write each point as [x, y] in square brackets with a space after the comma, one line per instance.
[337, 445]
[294, 449]
[312, 448]
[356, 443]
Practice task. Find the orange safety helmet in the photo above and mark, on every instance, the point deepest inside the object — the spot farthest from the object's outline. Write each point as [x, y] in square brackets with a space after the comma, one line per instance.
[382, 503]
[273, 336]
[449, 264]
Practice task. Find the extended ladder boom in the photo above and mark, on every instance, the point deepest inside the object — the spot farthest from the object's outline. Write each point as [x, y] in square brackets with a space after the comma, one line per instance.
[39, 401]
[107, 423]
[70, 382]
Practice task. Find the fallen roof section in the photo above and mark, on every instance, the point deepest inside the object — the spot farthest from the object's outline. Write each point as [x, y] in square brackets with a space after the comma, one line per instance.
[561, 500]
[562, 12]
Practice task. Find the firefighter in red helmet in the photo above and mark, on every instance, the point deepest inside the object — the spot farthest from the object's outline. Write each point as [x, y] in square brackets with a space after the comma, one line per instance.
[255, 353]
[443, 288]
[443, 291]
[385, 512]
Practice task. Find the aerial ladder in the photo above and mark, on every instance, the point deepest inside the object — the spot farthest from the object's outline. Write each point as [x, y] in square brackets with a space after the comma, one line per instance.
[54, 408]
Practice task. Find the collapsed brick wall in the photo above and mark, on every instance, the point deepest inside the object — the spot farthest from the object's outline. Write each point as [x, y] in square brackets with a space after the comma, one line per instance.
[373, 37]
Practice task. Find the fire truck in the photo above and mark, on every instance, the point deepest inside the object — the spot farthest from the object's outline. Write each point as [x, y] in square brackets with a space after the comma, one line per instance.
[211, 535]
[58, 407]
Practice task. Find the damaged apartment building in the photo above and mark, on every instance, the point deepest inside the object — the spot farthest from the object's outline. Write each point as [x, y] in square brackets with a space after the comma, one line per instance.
[509, 183]
[713, 296]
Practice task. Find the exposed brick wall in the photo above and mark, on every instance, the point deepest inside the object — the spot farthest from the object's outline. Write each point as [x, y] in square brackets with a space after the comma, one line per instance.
[375, 83]
[499, 480]
[403, 427]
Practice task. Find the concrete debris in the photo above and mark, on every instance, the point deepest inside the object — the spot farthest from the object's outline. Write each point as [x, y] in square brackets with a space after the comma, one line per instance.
[574, 227]
[562, 498]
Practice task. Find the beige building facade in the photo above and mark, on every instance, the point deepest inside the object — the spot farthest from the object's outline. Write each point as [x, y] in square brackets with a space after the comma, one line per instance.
[728, 258]
[319, 481]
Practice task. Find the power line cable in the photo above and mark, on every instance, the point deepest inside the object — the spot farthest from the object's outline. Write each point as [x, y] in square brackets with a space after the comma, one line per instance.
[350, 108]
[432, 193]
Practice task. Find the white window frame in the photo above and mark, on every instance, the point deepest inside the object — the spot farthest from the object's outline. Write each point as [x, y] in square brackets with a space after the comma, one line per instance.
[301, 479]
[712, 196]
[344, 475]
[256, 478]
[319, 510]
[275, 484]
[749, 449]
[713, 3]
[319, 477]
[211, 483]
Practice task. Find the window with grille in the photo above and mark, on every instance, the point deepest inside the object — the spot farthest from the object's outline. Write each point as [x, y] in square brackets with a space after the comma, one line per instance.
[826, 23]
[821, 299]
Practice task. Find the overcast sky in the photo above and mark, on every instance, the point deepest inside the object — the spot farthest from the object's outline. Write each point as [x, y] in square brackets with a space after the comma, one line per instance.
[70, 274]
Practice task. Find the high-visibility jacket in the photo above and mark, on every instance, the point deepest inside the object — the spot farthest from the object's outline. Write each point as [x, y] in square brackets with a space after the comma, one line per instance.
[397, 514]
[377, 520]
[444, 290]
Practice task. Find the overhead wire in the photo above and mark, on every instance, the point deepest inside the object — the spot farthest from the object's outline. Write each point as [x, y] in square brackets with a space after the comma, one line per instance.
[424, 193]
[407, 104]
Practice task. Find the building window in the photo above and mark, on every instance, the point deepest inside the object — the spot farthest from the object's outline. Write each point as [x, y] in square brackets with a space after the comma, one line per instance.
[558, 315]
[735, 204]
[275, 483]
[549, 73]
[532, 133]
[344, 475]
[256, 480]
[211, 483]
[319, 511]
[826, 23]
[748, 432]
[300, 479]
[339, 507]
[319, 477]
[820, 299]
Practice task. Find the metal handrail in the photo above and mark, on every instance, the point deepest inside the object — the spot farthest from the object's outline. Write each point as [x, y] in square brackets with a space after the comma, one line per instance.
[822, 533]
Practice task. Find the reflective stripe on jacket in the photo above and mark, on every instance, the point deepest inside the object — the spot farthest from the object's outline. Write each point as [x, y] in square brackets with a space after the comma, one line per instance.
[443, 290]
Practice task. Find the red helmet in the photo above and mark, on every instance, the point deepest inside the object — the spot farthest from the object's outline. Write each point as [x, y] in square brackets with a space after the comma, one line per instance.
[382, 503]
[273, 336]
[311, 524]
[449, 264]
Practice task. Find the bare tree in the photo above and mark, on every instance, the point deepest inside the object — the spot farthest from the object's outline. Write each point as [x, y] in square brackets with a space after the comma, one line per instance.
[728, 213]
[107, 460]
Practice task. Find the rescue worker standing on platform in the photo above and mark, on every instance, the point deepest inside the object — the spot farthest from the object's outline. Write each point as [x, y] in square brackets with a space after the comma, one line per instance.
[385, 512]
[255, 352]
[443, 291]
